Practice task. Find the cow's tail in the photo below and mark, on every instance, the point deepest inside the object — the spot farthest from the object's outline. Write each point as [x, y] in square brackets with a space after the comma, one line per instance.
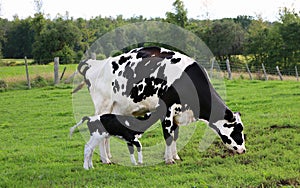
[72, 129]
[83, 67]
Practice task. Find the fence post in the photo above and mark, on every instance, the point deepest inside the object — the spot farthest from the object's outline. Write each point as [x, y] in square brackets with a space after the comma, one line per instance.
[248, 70]
[63, 73]
[93, 56]
[212, 67]
[56, 66]
[297, 76]
[27, 73]
[228, 69]
[279, 73]
[265, 73]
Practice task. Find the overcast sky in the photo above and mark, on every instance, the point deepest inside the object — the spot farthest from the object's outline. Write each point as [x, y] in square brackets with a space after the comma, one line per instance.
[216, 9]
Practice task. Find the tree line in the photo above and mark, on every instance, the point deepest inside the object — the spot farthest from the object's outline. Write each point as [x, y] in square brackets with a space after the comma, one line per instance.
[257, 40]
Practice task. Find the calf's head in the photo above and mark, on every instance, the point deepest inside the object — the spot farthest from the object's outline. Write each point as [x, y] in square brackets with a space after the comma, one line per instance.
[230, 130]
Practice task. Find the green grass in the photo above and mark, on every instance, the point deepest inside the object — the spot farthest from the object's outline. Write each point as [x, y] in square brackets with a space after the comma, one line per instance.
[36, 150]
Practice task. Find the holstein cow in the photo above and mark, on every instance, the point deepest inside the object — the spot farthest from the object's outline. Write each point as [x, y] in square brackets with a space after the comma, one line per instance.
[150, 78]
[127, 128]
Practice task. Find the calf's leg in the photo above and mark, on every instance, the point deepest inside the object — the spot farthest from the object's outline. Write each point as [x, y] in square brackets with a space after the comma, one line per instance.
[131, 152]
[89, 150]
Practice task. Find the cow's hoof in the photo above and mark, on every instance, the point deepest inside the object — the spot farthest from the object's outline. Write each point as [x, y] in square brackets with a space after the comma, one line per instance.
[170, 162]
[177, 158]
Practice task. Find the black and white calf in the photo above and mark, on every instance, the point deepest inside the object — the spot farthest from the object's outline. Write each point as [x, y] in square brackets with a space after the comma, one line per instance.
[127, 128]
[150, 78]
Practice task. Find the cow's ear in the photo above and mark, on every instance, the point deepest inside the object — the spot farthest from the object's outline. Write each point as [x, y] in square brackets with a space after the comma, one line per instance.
[245, 137]
[229, 115]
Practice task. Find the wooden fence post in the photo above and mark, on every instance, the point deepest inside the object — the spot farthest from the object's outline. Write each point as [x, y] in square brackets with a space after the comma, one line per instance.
[279, 73]
[248, 70]
[265, 73]
[297, 76]
[212, 67]
[93, 56]
[56, 66]
[228, 69]
[27, 73]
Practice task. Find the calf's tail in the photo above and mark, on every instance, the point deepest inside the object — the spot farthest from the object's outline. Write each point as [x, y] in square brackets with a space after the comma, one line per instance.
[72, 129]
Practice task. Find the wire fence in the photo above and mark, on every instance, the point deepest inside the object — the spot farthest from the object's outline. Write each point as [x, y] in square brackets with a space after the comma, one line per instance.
[244, 71]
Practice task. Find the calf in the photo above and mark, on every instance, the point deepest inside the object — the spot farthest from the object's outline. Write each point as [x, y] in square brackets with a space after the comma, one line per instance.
[125, 127]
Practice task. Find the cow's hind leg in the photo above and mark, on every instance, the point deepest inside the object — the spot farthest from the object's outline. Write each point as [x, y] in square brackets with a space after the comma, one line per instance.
[168, 152]
[173, 146]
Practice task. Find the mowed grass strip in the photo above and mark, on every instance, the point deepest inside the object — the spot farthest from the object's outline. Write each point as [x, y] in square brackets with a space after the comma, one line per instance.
[36, 150]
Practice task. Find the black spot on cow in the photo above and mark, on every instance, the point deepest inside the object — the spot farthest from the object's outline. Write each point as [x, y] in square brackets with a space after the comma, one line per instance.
[116, 87]
[229, 115]
[168, 123]
[145, 88]
[128, 73]
[225, 139]
[148, 52]
[236, 134]
[175, 60]
[124, 59]
[120, 73]
[128, 63]
[228, 125]
[88, 83]
[115, 66]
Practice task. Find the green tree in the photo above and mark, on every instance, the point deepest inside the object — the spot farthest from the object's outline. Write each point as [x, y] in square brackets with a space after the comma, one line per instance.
[289, 30]
[58, 38]
[19, 39]
[225, 38]
[257, 43]
[180, 16]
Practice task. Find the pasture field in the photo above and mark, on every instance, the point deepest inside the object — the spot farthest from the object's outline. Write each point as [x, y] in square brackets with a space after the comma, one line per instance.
[36, 150]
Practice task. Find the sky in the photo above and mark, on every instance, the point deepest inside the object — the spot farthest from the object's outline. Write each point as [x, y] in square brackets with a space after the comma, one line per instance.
[199, 9]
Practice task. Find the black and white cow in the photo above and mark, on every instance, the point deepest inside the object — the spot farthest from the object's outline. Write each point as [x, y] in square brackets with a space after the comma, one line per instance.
[150, 78]
[127, 128]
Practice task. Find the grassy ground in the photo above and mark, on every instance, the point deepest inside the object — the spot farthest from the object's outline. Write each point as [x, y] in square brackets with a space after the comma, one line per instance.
[36, 151]
[15, 76]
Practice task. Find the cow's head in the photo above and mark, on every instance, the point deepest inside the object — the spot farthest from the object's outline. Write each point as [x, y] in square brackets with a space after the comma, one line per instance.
[231, 131]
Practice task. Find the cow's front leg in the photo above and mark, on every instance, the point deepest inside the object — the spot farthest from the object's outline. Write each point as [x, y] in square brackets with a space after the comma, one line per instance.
[107, 147]
[103, 155]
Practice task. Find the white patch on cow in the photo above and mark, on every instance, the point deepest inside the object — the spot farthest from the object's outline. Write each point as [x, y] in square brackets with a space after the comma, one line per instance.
[132, 158]
[140, 157]
[94, 118]
[137, 136]
[127, 123]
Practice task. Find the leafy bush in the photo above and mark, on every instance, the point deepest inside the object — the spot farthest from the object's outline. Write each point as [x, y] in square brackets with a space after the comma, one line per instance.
[3, 85]
[39, 81]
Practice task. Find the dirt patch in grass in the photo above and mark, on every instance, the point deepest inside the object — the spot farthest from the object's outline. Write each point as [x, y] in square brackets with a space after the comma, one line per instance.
[288, 182]
[288, 126]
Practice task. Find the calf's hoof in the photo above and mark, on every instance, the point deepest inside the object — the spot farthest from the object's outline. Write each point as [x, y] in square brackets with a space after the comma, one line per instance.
[170, 162]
